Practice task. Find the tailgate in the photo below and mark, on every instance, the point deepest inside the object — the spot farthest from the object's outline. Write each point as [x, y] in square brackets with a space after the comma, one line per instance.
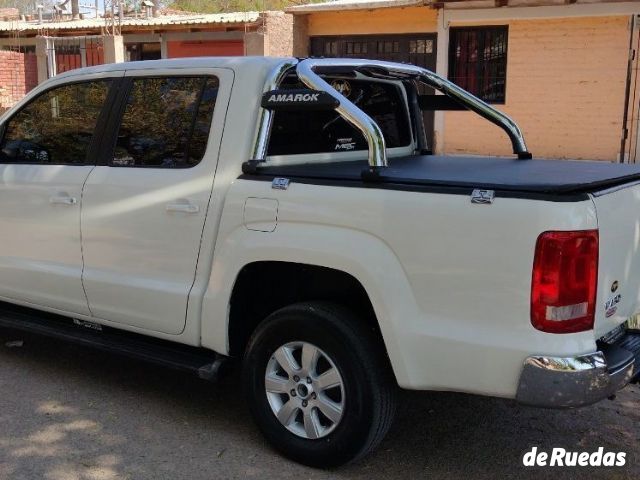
[618, 298]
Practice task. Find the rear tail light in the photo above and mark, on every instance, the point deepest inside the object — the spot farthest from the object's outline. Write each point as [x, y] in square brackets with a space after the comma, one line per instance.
[565, 275]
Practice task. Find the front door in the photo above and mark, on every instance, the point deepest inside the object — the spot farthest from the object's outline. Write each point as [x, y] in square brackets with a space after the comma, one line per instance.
[415, 48]
[46, 154]
[144, 209]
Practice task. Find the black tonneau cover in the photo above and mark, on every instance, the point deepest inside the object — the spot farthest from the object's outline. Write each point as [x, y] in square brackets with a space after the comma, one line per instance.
[551, 177]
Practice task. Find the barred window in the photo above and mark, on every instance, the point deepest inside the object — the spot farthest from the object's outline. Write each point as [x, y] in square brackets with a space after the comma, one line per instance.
[478, 61]
[331, 49]
[356, 48]
[388, 46]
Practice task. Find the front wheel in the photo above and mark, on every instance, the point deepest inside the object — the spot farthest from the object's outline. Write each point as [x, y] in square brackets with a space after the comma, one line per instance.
[318, 384]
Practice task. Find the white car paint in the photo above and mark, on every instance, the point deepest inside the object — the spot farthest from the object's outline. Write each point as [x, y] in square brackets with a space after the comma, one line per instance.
[449, 281]
[40, 254]
[140, 249]
[619, 227]
[452, 298]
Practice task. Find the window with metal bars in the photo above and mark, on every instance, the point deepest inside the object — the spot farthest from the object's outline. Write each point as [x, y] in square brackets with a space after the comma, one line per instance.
[355, 48]
[478, 61]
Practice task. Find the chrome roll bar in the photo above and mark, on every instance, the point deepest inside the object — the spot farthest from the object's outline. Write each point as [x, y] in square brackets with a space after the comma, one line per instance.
[265, 119]
[383, 69]
[352, 114]
[307, 71]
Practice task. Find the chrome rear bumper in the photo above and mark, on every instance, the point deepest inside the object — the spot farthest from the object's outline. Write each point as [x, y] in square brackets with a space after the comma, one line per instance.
[557, 382]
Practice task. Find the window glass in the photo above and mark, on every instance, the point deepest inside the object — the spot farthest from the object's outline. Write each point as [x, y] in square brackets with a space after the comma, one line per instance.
[166, 122]
[326, 131]
[478, 61]
[57, 127]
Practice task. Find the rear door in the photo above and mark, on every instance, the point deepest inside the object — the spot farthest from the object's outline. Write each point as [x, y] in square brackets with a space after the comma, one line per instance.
[46, 154]
[144, 208]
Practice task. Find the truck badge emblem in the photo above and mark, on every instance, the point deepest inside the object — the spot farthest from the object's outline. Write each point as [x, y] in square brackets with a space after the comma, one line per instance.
[614, 286]
[298, 97]
[611, 306]
[482, 196]
[279, 183]
[342, 86]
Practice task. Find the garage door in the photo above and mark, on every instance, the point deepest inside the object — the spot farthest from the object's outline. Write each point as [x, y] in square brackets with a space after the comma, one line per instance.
[418, 49]
[206, 48]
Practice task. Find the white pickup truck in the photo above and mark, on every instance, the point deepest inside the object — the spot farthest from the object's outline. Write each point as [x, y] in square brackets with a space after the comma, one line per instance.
[290, 214]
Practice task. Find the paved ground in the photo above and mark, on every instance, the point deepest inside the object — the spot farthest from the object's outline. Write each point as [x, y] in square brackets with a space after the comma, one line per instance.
[70, 413]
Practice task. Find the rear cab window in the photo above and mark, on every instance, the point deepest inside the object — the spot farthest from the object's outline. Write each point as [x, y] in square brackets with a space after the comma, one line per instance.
[307, 136]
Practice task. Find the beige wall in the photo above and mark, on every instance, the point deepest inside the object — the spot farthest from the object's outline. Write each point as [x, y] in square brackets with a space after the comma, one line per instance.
[565, 88]
[384, 20]
[633, 121]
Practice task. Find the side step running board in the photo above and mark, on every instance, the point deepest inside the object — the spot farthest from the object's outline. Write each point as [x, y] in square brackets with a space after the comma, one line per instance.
[206, 364]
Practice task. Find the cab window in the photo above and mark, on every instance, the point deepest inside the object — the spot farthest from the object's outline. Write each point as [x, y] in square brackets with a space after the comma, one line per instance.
[57, 127]
[166, 122]
[306, 132]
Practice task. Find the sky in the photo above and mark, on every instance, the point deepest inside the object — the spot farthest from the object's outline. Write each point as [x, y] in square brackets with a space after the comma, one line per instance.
[92, 2]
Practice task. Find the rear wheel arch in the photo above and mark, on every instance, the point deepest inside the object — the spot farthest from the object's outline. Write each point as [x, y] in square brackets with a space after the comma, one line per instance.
[264, 287]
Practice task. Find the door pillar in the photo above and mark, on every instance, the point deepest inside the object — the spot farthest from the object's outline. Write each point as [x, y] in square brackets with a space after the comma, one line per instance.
[442, 66]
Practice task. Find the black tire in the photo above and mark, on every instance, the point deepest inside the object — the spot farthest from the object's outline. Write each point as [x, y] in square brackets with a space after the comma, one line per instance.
[369, 385]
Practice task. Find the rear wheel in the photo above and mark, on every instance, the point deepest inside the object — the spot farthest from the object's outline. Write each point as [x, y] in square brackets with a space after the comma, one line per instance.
[318, 384]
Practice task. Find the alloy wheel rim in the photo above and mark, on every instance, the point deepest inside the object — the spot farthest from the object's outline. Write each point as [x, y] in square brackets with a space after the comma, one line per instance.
[305, 390]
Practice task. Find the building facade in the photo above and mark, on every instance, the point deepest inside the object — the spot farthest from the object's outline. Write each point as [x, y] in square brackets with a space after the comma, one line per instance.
[31, 51]
[565, 71]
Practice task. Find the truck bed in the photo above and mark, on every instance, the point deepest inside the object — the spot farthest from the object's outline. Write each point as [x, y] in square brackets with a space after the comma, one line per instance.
[510, 176]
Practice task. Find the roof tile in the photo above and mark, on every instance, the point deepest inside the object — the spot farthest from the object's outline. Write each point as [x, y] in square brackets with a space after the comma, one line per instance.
[89, 23]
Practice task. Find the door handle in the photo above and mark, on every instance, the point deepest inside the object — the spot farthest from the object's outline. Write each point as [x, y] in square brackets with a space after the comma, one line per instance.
[183, 207]
[63, 200]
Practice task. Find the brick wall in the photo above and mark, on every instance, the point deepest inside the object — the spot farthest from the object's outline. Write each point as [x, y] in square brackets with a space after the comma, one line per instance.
[565, 88]
[278, 35]
[18, 75]
[9, 13]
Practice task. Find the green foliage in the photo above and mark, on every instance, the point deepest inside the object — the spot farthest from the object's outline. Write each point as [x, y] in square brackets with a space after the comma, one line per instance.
[221, 6]
[26, 6]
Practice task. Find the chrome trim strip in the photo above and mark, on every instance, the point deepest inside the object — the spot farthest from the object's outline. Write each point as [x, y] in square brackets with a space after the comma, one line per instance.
[565, 382]
[265, 118]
